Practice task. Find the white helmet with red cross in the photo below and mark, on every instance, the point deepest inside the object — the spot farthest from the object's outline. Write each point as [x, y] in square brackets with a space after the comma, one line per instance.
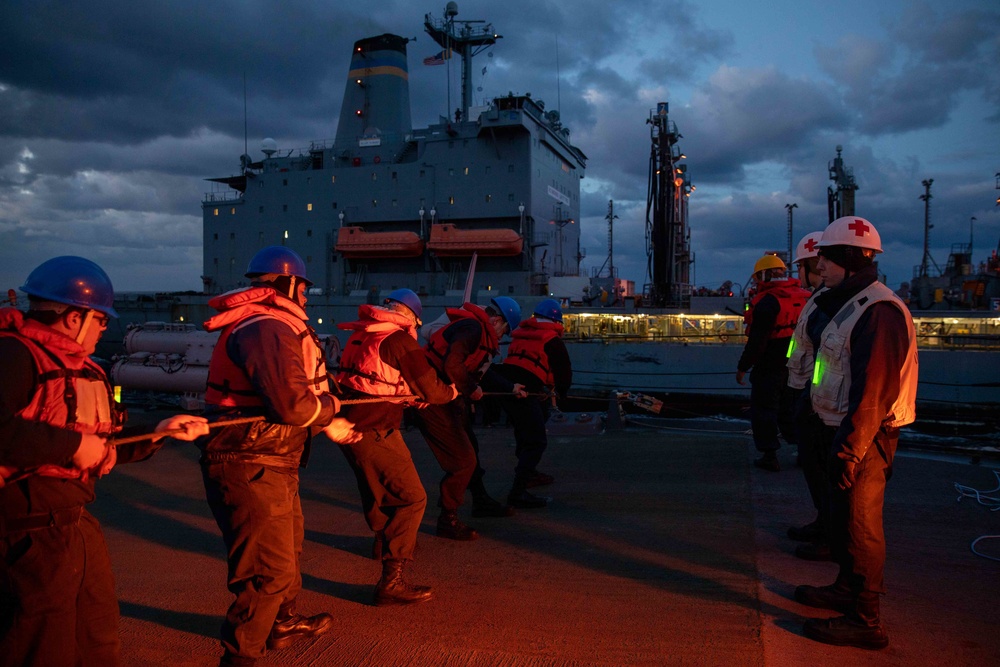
[807, 247]
[852, 231]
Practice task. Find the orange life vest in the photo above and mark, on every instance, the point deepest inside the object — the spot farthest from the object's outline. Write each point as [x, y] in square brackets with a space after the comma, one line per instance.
[228, 384]
[791, 298]
[72, 393]
[527, 348]
[489, 344]
[361, 366]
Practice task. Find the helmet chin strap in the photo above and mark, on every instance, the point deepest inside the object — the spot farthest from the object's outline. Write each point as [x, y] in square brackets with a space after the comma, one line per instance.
[84, 327]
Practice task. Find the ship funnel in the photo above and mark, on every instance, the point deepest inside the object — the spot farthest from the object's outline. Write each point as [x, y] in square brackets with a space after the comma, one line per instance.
[375, 116]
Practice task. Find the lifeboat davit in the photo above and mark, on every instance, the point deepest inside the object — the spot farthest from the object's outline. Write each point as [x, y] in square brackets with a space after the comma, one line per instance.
[356, 243]
[447, 240]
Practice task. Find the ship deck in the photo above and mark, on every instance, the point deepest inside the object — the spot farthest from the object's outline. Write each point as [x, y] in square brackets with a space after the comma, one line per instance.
[659, 547]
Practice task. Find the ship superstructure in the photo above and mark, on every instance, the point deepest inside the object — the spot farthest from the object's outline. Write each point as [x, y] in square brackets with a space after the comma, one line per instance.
[385, 205]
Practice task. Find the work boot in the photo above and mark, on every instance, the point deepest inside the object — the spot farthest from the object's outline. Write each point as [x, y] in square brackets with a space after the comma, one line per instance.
[810, 532]
[393, 589]
[768, 462]
[451, 528]
[846, 631]
[816, 551]
[538, 479]
[834, 597]
[521, 499]
[290, 627]
[486, 506]
[378, 545]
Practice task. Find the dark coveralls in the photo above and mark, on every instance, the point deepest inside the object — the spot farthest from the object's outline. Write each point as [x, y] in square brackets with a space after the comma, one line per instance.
[448, 428]
[392, 494]
[251, 481]
[57, 592]
[771, 400]
[878, 350]
[529, 415]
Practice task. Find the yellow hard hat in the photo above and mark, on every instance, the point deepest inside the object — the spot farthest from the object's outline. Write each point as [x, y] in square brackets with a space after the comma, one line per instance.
[768, 262]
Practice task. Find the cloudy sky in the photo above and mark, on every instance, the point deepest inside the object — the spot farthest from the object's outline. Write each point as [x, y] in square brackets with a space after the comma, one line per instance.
[112, 114]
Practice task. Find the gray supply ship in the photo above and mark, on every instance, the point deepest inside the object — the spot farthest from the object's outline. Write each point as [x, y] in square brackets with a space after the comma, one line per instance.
[486, 203]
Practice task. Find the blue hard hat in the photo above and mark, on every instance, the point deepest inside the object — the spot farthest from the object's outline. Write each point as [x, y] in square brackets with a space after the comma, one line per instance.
[549, 308]
[408, 298]
[74, 281]
[279, 260]
[509, 309]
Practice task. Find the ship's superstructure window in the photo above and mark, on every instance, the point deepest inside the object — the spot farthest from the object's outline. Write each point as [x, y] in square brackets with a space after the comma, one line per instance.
[487, 170]
[215, 236]
[510, 197]
[489, 198]
[421, 173]
[232, 236]
[451, 171]
[260, 184]
[374, 176]
[215, 211]
[215, 260]
[309, 233]
[284, 181]
[451, 200]
[260, 209]
[232, 211]
[334, 205]
[374, 203]
[394, 203]
[333, 179]
[284, 208]
[394, 176]
[309, 207]
[286, 233]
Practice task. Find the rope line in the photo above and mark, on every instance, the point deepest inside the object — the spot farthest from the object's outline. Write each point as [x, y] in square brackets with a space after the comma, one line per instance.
[993, 502]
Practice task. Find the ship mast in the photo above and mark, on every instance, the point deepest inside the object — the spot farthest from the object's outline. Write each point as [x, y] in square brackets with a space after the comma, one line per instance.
[840, 201]
[463, 38]
[668, 240]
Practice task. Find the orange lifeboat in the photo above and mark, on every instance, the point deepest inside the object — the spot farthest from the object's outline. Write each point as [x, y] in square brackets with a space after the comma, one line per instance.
[356, 243]
[447, 240]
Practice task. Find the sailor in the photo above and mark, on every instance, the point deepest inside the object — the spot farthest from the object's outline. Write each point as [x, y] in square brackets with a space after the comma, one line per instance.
[382, 359]
[460, 352]
[538, 360]
[811, 448]
[770, 320]
[862, 343]
[267, 362]
[57, 411]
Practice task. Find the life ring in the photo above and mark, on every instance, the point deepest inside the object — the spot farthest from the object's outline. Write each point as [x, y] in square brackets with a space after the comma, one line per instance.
[377, 159]
[724, 337]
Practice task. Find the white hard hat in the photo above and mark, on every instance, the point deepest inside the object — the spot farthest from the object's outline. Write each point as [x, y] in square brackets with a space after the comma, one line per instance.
[807, 247]
[853, 231]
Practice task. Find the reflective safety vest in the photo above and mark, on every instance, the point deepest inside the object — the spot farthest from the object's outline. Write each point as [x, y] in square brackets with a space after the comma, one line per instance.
[832, 374]
[800, 353]
[791, 298]
[489, 344]
[361, 365]
[72, 391]
[228, 384]
[527, 348]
